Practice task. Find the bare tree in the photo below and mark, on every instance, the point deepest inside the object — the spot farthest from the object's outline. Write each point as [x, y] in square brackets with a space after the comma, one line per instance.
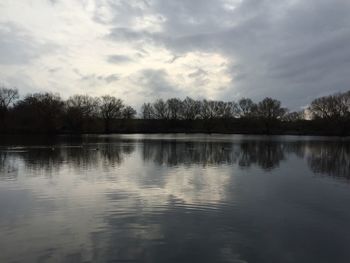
[190, 109]
[294, 116]
[7, 97]
[345, 104]
[41, 112]
[147, 111]
[129, 113]
[333, 109]
[246, 107]
[229, 110]
[324, 107]
[85, 104]
[160, 109]
[80, 111]
[212, 109]
[270, 110]
[110, 108]
[205, 110]
[175, 108]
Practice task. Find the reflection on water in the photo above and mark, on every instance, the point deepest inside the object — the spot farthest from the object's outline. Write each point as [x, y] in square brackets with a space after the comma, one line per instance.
[324, 157]
[331, 159]
[266, 154]
[175, 199]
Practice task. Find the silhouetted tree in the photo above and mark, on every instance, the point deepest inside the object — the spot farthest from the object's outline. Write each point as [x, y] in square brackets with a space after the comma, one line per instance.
[210, 109]
[46, 112]
[324, 107]
[229, 110]
[147, 111]
[333, 107]
[80, 111]
[160, 110]
[294, 116]
[110, 108]
[190, 109]
[129, 113]
[40, 112]
[174, 106]
[270, 110]
[7, 98]
[246, 107]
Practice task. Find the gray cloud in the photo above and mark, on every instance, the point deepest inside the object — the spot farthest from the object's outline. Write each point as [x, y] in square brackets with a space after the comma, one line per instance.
[198, 73]
[94, 79]
[18, 47]
[54, 70]
[118, 12]
[292, 50]
[127, 35]
[173, 59]
[111, 78]
[155, 84]
[117, 59]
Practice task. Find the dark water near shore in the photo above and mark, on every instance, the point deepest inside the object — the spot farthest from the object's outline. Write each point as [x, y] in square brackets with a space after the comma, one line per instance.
[175, 198]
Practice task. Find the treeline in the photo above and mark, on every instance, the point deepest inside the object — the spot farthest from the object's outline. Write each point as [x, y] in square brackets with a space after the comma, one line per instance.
[49, 113]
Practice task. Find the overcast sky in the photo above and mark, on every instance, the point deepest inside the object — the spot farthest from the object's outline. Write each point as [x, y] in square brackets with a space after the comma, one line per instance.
[291, 50]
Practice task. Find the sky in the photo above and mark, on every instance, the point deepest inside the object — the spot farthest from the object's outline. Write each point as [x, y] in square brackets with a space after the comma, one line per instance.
[142, 50]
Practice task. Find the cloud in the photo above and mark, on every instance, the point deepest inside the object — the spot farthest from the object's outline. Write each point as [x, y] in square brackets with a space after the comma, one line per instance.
[173, 59]
[130, 35]
[111, 78]
[293, 50]
[54, 70]
[198, 73]
[93, 79]
[18, 47]
[155, 84]
[118, 59]
[53, 2]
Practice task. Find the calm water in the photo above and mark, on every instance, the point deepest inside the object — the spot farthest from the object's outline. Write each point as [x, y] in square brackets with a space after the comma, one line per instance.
[175, 198]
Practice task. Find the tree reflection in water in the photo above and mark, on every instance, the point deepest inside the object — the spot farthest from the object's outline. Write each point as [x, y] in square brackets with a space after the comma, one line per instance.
[173, 153]
[332, 159]
[49, 159]
[265, 154]
[323, 157]
[8, 168]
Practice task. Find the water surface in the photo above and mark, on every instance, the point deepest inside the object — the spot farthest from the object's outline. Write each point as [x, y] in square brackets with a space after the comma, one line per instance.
[175, 198]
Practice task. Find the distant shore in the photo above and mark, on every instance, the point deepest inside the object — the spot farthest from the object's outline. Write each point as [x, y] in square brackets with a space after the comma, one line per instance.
[233, 126]
[47, 113]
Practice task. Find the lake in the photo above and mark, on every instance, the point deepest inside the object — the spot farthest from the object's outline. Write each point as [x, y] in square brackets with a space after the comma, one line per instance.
[174, 198]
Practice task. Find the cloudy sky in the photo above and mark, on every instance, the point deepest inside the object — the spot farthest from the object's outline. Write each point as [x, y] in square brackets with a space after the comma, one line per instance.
[140, 50]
